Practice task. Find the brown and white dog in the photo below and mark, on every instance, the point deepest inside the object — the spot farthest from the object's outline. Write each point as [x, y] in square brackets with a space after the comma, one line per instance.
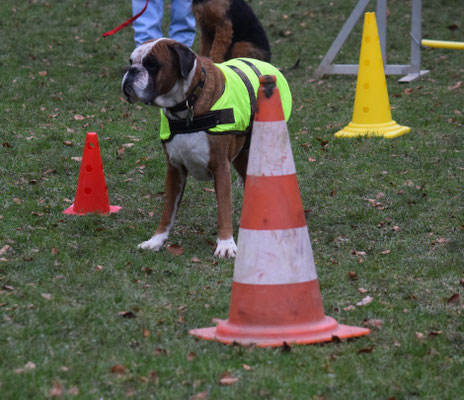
[164, 73]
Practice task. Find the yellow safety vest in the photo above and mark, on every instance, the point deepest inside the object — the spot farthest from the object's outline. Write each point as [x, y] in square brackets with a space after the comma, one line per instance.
[235, 102]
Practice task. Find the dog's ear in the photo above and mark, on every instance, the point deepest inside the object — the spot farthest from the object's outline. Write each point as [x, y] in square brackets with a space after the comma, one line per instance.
[184, 56]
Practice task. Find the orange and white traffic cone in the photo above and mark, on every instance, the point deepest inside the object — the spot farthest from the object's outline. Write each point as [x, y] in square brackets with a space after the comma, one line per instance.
[275, 292]
[91, 193]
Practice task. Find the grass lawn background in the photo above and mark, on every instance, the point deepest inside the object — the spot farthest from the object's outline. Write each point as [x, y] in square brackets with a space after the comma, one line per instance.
[84, 314]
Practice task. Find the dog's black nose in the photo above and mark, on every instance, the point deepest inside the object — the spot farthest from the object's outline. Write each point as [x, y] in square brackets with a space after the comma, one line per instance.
[133, 72]
[127, 88]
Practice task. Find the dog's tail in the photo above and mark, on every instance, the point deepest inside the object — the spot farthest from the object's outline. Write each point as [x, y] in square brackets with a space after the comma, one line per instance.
[293, 67]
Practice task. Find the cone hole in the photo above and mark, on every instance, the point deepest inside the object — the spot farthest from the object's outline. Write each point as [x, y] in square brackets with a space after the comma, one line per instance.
[88, 168]
[368, 39]
[366, 109]
[366, 62]
[90, 146]
[366, 86]
[87, 191]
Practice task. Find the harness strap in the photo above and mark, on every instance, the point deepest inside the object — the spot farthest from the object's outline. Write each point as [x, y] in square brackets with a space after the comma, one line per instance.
[203, 122]
[251, 93]
[193, 97]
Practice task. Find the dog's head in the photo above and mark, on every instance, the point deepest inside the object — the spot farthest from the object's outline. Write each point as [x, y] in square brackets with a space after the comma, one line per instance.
[161, 71]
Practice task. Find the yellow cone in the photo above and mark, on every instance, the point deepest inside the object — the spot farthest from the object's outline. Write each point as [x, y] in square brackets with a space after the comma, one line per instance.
[371, 114]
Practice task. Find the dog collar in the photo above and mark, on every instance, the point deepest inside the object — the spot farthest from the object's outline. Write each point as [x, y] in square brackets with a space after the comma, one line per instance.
[190, 101]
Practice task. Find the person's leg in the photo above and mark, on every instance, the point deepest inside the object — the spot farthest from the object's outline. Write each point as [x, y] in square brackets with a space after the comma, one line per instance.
[148, 25]
[182, 27]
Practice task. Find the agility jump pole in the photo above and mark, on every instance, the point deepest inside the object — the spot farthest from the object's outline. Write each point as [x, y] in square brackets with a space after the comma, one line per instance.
[443, 44]
[411, 71]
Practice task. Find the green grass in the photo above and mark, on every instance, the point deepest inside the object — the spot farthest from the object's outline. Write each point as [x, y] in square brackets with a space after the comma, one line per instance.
[65, 280]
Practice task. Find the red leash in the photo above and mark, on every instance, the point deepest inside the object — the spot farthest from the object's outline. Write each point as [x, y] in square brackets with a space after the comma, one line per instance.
[128, 22]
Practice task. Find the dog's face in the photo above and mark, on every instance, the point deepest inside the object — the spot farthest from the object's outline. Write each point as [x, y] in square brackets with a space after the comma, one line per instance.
[161, 71]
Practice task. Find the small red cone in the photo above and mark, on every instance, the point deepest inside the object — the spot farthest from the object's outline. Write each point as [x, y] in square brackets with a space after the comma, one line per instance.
[91, 193]
[275, 292]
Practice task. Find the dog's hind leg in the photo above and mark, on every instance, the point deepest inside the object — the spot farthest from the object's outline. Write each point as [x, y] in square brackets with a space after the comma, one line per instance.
[205, 43]
[222, 41]
[175, 185]
[240, 163]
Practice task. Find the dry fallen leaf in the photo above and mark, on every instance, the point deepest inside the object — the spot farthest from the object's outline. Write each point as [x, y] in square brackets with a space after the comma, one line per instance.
[118, 369]
[366, 349]
[456, 86]
[4, 249]
[420, 335]
[160, 352]
[365, 301]
[56, 390]
[454, 299]
[78, 117]
[385, 252]
[375, 323]
[352, 275]
[175, 249]
[153, 377]
[192, 355]
[200, 396]
[246, 367]
[126, 314]
[286, 348]
[73, 391]
[30, 365]
[311, 159]
[227, 379]
[46, 296]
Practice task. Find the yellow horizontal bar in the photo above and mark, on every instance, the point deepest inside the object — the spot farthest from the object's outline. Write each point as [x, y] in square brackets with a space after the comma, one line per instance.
[442, 44]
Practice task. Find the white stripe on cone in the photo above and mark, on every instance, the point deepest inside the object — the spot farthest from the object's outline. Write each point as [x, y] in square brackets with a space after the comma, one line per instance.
[272, 153]
[267, 257]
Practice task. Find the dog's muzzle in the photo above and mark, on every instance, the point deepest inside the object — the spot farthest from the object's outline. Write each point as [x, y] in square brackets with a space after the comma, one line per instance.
[127, 85]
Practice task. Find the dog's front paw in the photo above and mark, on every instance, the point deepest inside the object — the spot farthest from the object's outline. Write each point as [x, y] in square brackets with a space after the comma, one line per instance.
[226, 248]
[155, 243]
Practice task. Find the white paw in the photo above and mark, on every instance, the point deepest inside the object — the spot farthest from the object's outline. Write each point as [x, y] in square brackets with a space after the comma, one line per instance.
[155, 243]
[226, 248]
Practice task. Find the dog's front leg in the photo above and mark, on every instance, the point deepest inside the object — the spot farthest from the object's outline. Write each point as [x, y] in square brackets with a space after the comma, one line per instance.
[175, 184]
[226, 247]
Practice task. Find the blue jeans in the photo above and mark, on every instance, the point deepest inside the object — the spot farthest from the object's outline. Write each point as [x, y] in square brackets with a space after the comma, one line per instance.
[148, 25]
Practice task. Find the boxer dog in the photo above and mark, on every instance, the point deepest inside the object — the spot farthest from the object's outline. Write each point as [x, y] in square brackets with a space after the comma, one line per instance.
[187, 88]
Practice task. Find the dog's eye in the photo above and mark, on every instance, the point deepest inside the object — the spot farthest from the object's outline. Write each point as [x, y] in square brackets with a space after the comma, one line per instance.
[130, 61]
[150, 64]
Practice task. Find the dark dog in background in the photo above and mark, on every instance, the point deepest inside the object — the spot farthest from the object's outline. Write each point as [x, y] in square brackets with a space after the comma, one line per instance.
[229, 29]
